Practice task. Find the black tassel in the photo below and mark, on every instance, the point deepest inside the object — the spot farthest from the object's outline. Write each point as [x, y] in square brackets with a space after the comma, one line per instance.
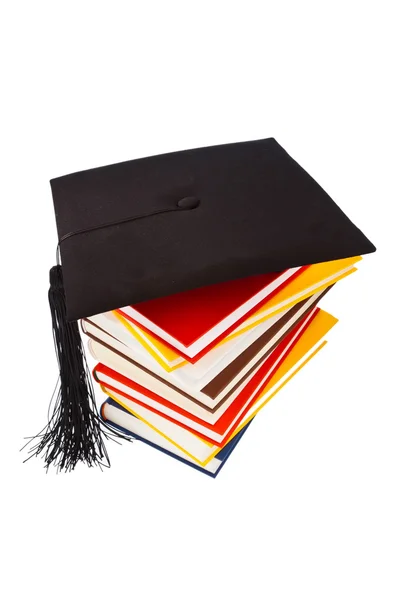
[75, 432]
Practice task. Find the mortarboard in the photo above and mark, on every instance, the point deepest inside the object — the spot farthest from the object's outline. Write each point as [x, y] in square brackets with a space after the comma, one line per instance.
[157, 226]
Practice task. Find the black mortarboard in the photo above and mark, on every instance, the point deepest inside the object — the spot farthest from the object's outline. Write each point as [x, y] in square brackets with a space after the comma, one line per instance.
[156, 226]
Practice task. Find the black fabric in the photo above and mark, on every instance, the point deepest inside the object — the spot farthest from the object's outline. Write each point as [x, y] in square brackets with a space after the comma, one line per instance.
[255, 210]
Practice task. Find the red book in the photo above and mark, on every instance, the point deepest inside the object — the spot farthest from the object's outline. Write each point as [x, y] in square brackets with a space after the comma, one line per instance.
[194, 321]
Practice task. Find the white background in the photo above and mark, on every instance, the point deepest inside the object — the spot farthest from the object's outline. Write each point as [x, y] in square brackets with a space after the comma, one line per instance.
[308, 506]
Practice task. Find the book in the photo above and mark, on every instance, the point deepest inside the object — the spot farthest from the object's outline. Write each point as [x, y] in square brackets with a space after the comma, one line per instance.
[310, 281]
[209, 400]
[116, 416]
[191, 376]
[219, 308]
[196, 448]
[212, 367]
[217, 432]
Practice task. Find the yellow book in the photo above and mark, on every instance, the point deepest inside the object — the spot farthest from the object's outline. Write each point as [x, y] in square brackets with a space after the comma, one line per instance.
[314, 279]
[201, 451]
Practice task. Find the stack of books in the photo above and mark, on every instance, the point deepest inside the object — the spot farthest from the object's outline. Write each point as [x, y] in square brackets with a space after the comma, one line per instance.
[187, 373]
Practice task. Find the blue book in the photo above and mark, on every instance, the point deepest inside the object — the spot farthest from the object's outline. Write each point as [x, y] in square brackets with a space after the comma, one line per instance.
[120, 421]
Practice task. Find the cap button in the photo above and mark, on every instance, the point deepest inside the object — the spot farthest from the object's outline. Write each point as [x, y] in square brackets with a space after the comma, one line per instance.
[188, 202]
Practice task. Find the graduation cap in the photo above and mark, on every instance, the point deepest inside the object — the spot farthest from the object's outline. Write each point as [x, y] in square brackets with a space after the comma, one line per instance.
[154, 227]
